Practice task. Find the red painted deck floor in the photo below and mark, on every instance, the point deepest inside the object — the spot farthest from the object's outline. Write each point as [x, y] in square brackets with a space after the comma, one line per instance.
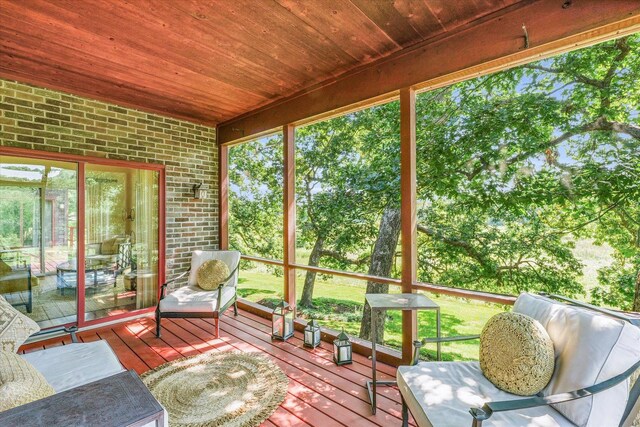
[320, 393]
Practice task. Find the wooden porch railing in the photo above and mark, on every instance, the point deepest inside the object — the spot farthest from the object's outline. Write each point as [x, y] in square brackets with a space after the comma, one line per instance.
[419, 286]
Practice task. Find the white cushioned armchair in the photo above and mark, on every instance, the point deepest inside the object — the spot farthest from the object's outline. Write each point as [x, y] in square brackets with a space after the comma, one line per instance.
[596, 354]
[193, 301]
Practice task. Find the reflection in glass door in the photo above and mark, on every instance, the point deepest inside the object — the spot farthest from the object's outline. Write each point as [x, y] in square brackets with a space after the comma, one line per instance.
[38, 204]
[121, 222]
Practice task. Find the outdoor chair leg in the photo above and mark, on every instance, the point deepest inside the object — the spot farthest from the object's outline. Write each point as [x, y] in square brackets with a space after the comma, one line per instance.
[217, 327]
[235, 308]
[405, 413]
[158, 324]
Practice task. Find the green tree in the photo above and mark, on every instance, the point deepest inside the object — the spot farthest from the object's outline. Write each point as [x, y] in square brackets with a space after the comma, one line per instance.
[255, 197]
[514, 166]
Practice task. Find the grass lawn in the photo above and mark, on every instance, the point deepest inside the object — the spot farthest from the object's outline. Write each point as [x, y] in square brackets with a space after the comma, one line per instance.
[339, 302]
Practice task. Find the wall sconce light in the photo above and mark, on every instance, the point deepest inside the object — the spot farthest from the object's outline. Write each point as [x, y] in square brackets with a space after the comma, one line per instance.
[198, 192]
[129, 215]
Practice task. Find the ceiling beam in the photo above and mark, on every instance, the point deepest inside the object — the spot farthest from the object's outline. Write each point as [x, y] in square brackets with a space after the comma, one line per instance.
[496, 42]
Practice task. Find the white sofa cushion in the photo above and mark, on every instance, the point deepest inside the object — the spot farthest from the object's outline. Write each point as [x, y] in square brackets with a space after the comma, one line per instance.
[589, 348]
[72, 365]
[231, 258]
[193, 299]
[441, 394]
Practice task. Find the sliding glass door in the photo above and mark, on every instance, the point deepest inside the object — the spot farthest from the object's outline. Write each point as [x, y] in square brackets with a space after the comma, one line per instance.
[42, 272]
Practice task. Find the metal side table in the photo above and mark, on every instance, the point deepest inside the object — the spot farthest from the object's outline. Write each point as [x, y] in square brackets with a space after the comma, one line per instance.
[394, 302]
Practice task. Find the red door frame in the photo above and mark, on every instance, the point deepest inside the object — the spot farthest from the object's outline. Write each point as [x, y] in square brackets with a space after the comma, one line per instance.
[82, 161]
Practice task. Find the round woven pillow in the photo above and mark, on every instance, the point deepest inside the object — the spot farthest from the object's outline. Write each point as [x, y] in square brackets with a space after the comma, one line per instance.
[211, 273]
[516, 354]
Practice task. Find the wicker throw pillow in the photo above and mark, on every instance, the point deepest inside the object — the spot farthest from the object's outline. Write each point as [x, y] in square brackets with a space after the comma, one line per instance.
[110, 246]
[4, 268]
[211, 273]
[20, 382]
[15, 327]
[516, 354]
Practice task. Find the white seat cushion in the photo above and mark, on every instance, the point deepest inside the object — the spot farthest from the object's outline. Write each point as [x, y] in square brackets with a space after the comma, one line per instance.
[441, 394]
[589, 348]
[72, 365]
[193, 299]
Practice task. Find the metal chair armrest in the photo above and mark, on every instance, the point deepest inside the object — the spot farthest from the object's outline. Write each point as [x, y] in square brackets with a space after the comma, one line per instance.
[178, 277]
[163, 287]
[484, 413]
[450, 339]
[225, 281]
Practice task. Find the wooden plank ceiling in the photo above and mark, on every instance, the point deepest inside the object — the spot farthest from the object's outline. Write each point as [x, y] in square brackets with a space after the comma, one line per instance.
[211, 61]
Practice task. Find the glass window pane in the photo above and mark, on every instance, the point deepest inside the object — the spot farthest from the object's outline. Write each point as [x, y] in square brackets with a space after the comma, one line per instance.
[261, 283]
[121, 217]
[348, 194]
[255, 197]
[38, 233]
[528, 178]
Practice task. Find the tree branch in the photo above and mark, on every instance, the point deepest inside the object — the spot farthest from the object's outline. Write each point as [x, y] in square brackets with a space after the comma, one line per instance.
[338, 256]
[466, 246]
[599, 124]
[579, 77]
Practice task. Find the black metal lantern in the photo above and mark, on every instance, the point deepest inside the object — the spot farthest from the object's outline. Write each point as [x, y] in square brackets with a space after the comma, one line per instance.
[342, 349]
[312, 334]
[282, 321]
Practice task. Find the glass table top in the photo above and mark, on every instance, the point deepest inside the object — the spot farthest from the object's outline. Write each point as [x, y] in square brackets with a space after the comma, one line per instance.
[400, 301]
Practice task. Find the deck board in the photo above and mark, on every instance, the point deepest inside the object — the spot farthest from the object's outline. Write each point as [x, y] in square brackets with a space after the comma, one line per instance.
[319, 394]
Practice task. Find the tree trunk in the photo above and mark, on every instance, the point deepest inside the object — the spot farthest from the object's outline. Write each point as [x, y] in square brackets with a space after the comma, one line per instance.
[306, 300]
[636, 297]
[381, 262]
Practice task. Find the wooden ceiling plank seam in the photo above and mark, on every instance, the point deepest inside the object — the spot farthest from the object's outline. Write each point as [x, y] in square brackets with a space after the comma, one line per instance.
[428, 4]
[496, 39]
[421, 17]
[449, 13]
[140, 55]
[389, 20]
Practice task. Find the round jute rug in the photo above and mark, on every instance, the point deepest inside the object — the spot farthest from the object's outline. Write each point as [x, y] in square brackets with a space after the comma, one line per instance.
[230, 389]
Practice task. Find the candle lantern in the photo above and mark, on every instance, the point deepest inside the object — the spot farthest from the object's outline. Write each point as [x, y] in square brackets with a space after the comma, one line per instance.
[312, 334]
[342, 349]
[282, 321]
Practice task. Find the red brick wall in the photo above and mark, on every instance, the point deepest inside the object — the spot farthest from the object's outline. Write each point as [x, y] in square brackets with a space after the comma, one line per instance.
[43, 119]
